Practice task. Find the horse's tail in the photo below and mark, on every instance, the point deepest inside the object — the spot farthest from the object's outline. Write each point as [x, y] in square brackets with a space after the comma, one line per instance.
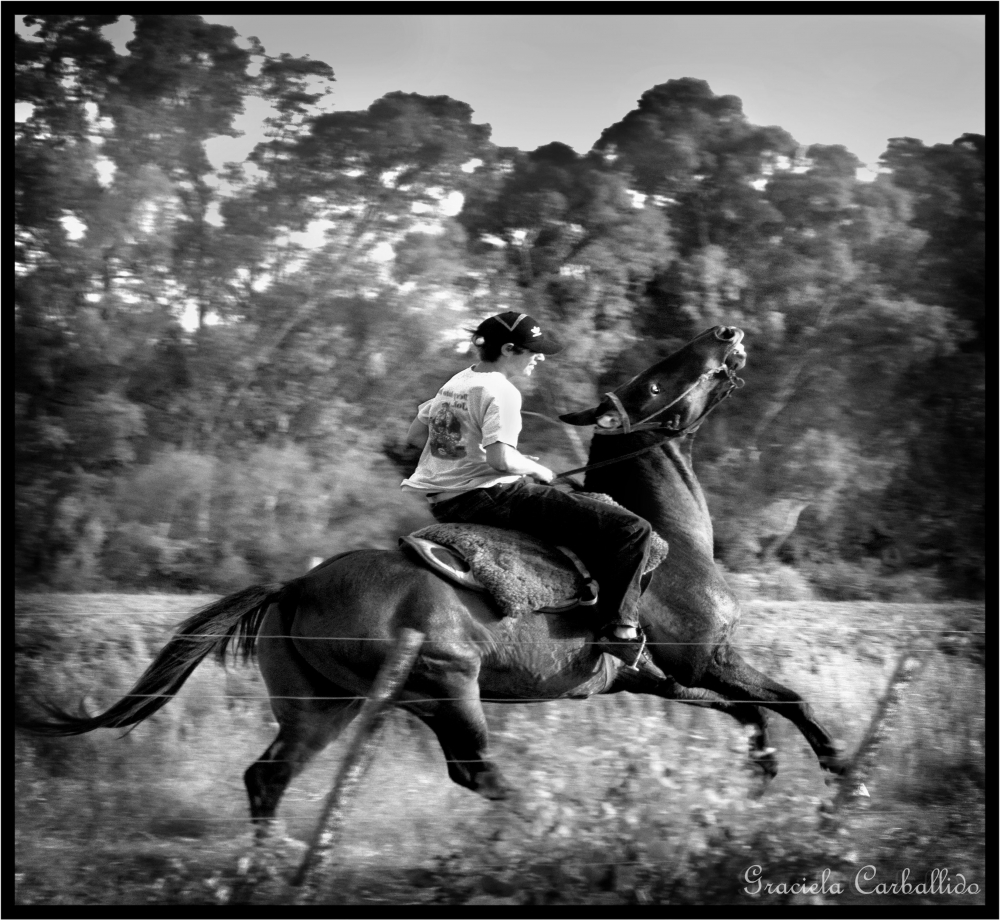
[235, 618]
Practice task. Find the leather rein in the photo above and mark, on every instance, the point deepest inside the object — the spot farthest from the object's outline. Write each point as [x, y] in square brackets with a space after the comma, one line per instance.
[629, 427]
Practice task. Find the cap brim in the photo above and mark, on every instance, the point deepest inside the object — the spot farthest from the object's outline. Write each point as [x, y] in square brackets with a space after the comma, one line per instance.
[548, 346]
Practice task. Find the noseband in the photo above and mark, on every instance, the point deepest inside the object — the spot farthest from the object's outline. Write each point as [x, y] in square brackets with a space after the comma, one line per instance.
[628, 426]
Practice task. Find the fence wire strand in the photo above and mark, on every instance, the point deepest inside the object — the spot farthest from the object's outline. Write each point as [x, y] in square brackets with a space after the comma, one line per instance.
[498, 641]
[239, 697]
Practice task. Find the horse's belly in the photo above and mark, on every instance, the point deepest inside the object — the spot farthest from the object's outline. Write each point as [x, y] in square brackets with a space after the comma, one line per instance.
[533, 659]
[543, 681]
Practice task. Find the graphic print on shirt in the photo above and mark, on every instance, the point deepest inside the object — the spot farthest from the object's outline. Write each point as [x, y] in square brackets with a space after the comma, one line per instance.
[446, 434]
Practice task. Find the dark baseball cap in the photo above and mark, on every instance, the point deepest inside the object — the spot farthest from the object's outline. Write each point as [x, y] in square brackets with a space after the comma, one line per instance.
[521, 330]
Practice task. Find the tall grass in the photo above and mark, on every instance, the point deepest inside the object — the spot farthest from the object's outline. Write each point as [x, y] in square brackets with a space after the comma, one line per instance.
[622, 799]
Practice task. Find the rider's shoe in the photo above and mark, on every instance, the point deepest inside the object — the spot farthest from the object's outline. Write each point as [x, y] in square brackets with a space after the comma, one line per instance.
[628, 649]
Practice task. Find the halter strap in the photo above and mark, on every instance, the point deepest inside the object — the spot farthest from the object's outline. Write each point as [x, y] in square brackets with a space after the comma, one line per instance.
[622, 414]
[628, 426]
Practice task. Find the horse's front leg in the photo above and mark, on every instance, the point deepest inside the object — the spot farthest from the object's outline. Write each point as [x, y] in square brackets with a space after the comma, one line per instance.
[762, 755]
[731, 676]
[452, 709]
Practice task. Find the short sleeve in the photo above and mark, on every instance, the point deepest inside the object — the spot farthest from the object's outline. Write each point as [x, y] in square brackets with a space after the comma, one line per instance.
[502, 418]
[424, 411]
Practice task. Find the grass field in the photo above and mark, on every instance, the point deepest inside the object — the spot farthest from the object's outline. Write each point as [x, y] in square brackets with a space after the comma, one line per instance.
[625, 800]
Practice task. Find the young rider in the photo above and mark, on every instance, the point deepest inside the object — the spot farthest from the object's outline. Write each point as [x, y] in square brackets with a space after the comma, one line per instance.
[471, 471]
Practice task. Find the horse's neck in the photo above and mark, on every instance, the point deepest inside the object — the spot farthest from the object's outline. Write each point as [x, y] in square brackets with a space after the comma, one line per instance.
[661, 487]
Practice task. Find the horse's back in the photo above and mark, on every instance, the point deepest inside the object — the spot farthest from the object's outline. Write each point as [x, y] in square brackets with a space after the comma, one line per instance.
[349, 610]
[371, 594]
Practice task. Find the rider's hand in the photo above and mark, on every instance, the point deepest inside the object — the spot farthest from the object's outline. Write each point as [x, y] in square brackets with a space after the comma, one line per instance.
[543, 474]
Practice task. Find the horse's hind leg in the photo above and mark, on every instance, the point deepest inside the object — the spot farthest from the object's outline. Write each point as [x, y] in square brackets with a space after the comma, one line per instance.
[310, 709]
[730, 676]
[304, 732]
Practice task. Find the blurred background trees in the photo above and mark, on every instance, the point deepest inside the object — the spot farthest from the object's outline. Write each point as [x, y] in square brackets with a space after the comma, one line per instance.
[213, 364]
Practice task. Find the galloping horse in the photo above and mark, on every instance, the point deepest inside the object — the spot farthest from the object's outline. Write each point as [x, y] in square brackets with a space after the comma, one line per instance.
[321, 639]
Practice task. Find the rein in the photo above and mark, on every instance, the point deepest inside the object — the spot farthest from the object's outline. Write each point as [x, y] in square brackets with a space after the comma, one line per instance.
[600, 463]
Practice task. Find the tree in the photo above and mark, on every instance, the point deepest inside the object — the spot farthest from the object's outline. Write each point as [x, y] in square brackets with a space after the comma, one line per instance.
[327, 319]
[111, 193]
[180, 335]
[698, 153]
[947, 185]
[564, 238]
[934, 505]
[817, 268]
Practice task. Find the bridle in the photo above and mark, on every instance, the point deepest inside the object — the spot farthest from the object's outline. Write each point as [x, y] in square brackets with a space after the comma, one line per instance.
[630, 427]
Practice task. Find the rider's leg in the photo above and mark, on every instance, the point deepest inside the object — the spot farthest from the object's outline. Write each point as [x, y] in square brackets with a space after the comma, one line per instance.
[612, 542]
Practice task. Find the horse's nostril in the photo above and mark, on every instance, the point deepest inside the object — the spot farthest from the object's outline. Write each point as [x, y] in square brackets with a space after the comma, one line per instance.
[725, 333]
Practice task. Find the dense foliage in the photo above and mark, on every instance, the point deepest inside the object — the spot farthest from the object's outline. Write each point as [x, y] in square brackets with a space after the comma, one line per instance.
[214, 367]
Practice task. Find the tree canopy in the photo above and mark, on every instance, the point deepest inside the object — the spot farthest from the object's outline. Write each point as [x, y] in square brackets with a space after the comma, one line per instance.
[214, 365]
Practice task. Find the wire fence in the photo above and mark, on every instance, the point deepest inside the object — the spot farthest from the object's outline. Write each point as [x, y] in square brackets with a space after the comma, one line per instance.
[417, 700]
[176, 753]
[248, 672]
[246, 824]
[500, 641]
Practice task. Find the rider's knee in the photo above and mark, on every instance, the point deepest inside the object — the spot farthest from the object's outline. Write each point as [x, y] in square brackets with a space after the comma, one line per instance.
[638, 528]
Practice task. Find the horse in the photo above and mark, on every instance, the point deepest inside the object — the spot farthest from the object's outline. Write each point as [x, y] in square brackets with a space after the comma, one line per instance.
[321, 639]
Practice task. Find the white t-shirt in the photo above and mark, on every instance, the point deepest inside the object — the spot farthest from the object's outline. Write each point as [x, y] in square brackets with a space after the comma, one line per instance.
[470, 412]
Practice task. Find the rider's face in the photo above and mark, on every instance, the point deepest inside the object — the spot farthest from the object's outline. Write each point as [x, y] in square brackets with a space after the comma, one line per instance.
[523, 364]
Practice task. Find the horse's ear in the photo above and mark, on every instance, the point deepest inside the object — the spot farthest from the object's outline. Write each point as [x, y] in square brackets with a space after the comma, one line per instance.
[585, 417]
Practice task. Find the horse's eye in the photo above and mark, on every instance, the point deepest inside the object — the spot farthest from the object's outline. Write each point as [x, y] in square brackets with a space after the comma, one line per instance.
[654, 388]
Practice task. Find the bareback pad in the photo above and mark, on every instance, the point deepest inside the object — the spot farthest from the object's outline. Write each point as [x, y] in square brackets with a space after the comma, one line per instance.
[521, 572]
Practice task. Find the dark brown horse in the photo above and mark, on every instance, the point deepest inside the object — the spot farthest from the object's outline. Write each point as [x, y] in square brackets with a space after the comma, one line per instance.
[321, 639]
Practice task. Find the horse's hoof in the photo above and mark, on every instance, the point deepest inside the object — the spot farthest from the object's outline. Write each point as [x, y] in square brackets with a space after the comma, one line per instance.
[837, 783]
[835, 763]
[764, 764]
[762, 780]
[492, 786]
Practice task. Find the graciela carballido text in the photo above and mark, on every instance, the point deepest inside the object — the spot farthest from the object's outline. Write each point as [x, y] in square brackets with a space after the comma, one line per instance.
[865, 881]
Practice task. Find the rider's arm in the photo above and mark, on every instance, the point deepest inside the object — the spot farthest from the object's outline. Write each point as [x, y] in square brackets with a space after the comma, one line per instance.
[417, 435]
[506, 459]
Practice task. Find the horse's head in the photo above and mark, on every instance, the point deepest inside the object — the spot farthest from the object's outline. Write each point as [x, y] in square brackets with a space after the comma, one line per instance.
[676, 394]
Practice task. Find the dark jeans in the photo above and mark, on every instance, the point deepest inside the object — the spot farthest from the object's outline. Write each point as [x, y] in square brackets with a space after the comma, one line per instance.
[612, 542]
